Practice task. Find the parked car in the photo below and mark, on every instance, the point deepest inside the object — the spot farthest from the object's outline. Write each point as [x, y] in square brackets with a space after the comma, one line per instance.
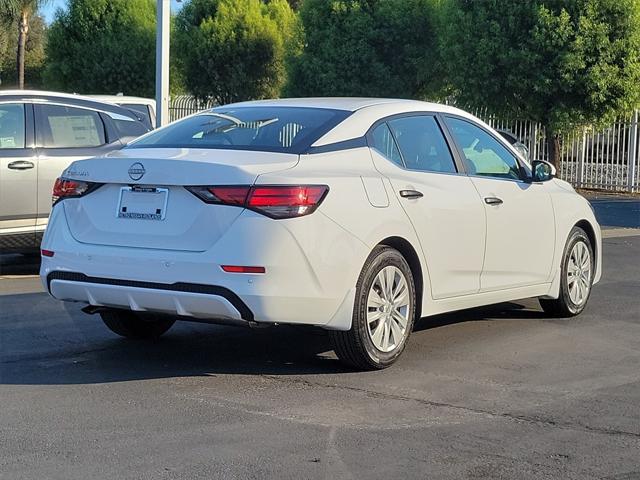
[145, 108]
[516, 143]
[356, 215]
[41, 134]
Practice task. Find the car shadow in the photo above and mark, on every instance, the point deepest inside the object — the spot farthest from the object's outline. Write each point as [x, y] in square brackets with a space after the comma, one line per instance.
[526, 310]
[193, 350]
[18, 264]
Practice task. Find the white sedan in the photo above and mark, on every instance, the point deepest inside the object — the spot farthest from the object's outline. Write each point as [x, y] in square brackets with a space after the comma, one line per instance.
[356, 215]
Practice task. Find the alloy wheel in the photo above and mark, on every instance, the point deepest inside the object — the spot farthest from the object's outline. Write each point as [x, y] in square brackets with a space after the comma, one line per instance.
[579, 274]
[388, 309]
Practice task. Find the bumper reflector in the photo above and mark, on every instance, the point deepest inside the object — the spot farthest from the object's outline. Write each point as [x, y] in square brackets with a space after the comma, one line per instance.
[242, 269]
[47, 253]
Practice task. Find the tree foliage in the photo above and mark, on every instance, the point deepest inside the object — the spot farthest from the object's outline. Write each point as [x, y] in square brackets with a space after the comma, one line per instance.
[233, 50]
[564, 63]
[384, 48]
[103, 46]
[20, 13]
[34, 52]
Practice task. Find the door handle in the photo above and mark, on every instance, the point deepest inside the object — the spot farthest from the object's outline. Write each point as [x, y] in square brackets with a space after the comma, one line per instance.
[21, 165]
[411, 194]
[493, 201]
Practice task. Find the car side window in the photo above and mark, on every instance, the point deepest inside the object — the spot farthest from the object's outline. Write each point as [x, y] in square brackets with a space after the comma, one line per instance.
[383, 142]
[483, 154]
[422, 144]
[141, 110]
[129, 129]
[12, 126]
[68, 127]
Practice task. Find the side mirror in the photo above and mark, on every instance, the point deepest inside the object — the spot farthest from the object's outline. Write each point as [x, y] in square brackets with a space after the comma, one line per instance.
[542, 171]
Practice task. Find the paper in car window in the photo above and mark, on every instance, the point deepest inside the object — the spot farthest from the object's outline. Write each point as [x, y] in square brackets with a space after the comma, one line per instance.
[7, 142]
[74, 131]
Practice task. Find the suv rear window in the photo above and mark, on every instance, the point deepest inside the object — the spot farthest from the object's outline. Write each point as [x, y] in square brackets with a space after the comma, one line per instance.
[271, 129]
[141, 111]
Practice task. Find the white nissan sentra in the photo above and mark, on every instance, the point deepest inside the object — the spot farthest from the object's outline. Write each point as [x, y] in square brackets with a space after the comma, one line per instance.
[356, 215]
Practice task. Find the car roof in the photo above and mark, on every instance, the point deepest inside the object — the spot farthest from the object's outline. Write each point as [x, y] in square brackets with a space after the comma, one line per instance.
[65, 98]
[350, 104]
[124, 99]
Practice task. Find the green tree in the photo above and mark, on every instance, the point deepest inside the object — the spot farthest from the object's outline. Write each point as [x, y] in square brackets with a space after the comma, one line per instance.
[384, 48]
[34, 56]
[233, 50]
[103, 46]
[563, 63]
[22, 11]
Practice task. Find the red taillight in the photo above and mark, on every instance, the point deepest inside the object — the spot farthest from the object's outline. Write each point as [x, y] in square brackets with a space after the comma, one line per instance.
[242, 269]
[230, 195]
[65, 188]
[275, 201]
[47, 253]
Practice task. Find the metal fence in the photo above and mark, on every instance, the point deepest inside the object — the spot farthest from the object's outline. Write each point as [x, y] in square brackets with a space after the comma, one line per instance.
[185, 105]
[607, 159]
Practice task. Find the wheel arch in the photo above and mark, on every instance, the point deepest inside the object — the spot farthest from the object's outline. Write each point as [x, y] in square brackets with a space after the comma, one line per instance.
[591, 233]
[411, 256]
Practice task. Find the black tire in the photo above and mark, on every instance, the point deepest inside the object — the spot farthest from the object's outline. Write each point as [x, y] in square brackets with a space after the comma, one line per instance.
[564, 306]
[131, 325]
[355, 347]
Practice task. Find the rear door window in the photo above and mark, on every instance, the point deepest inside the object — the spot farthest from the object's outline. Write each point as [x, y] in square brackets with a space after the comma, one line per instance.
[422, 144]
[60, 126]
[12, 126]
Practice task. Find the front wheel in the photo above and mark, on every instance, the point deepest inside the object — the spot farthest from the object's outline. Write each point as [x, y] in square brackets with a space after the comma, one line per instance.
[131, 325]
[383, 314]
[577, 272]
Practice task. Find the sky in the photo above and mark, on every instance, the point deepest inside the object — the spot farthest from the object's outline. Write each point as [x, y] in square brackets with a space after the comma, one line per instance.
[49, 11]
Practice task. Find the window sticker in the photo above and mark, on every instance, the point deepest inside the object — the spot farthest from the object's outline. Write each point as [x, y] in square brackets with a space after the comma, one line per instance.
[74, 131]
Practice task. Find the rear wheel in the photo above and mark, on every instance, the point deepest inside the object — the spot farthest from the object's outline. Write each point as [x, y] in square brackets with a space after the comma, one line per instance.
[383, 314]
[577, 277]
[131, 325]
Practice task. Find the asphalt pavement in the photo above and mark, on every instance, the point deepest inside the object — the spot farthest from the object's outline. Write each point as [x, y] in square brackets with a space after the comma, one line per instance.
[495, 392]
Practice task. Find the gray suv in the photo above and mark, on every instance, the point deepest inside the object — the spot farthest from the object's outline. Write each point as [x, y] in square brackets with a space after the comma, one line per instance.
[41, 133]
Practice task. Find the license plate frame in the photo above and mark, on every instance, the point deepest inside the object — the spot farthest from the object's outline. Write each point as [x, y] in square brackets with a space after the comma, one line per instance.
[154, 208]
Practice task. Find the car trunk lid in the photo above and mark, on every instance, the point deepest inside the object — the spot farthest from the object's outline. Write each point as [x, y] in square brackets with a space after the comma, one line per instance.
[143, 203]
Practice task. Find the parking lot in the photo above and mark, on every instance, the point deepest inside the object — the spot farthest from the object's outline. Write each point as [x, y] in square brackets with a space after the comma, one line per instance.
[496, 392]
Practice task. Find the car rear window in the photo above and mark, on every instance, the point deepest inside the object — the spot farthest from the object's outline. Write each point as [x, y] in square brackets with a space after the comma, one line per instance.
[271, 129]
[142, 111]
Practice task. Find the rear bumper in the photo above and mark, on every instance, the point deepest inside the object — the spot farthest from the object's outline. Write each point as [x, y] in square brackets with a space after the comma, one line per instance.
[206, 302]
[311, 266]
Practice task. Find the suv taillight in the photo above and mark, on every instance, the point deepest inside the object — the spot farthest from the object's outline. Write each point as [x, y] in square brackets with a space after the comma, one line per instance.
[66, 188]
[275, 201]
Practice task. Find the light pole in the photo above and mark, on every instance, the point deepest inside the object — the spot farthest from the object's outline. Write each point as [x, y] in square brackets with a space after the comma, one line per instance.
[163, 30]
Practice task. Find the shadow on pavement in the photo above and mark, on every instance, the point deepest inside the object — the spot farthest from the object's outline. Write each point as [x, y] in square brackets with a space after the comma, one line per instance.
[17, 264]
[188, 350]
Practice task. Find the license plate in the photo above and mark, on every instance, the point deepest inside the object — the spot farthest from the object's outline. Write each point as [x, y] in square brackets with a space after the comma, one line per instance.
[143, 203]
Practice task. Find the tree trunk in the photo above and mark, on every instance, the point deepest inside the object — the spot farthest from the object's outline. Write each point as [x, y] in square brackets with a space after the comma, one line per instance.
[553, 147]
[23, 31]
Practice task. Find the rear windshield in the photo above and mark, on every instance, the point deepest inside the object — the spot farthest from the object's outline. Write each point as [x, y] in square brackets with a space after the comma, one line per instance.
[271, 129]
[141, 111]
